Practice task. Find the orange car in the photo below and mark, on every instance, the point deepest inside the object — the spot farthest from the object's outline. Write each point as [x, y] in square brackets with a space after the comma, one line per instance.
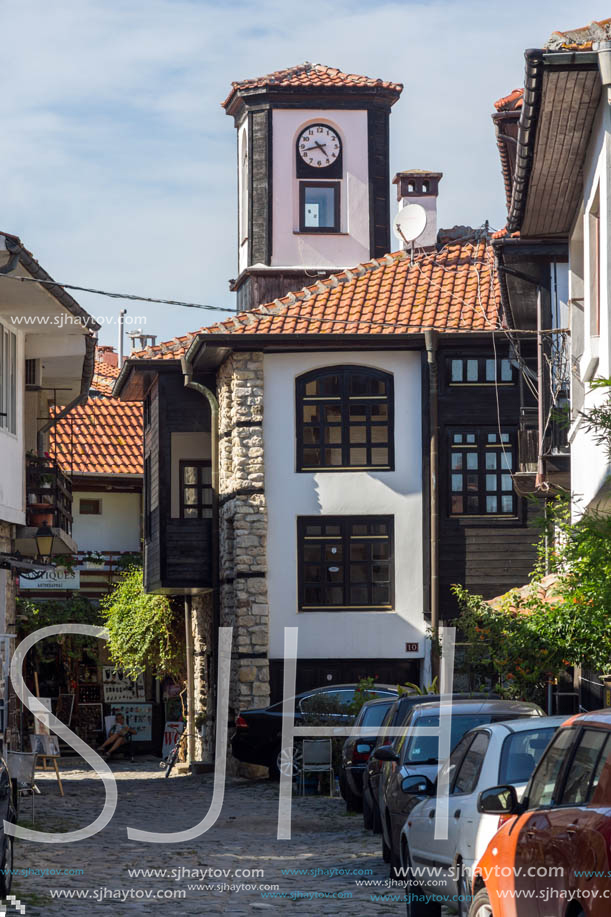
[552, 855]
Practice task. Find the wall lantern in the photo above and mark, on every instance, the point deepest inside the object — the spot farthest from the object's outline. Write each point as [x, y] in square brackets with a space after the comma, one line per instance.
[44, 542]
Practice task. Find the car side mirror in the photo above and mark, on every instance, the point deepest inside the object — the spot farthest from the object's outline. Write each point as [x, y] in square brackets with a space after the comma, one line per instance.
[386, 753]
[498, 800]
[417, 785]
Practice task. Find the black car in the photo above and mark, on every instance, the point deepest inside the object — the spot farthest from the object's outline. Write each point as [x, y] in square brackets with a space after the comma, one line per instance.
[356, 751]
[258, 733]
[396, 716]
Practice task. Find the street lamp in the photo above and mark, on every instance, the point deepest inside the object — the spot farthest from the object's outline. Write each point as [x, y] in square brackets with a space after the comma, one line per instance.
[44, 542]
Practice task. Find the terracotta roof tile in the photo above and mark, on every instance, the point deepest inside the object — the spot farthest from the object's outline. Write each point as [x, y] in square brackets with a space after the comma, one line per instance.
[580, 39]
[454, 289]
[308, 75]
[513, 101]
[103, 436]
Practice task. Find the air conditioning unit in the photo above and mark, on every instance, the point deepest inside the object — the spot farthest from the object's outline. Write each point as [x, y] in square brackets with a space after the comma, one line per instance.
[33, 375]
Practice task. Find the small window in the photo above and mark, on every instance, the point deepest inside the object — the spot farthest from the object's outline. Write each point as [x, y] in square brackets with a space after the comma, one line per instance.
[346, 563]
[345, 420]
[89, 507]
[468, 774]
[195, 489]
[521, 753]
[578, 783]
[480, 473]
[319, 206]
[481, 371]
[8, 380]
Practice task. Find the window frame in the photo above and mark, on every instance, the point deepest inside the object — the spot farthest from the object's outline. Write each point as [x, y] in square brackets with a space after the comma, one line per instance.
[563, 776]
[482, 381]
[344, 398]
[311, 183]
[8, 380]
[204, 510]
[345, 537]
[90, 500]
[480, 447]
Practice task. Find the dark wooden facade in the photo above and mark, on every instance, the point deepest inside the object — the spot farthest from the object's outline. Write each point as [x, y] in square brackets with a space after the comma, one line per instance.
[177, 552]
[488, 556]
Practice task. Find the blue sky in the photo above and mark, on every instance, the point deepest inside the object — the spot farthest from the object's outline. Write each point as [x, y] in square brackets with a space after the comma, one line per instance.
[119, 162]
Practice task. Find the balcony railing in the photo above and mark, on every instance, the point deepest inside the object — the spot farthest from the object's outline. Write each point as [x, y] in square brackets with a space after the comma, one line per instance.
[49, 494]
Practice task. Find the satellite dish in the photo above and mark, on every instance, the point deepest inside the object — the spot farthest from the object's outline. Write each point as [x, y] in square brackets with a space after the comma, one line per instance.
[410, 222]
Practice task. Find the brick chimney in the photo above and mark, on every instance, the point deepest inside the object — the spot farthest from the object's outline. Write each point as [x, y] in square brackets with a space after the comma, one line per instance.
[417, 186]
[107, 354]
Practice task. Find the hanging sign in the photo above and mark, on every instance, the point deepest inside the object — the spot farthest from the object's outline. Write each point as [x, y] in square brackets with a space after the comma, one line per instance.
[53, 578]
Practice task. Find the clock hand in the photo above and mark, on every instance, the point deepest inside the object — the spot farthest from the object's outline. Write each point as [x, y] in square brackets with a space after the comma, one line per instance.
[321, 146]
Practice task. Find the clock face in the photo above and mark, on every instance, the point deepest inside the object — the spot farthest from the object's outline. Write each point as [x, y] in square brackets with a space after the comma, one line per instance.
[319, 146]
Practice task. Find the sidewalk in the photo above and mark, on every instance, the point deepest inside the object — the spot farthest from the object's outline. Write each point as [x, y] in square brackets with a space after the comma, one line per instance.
[243, 839]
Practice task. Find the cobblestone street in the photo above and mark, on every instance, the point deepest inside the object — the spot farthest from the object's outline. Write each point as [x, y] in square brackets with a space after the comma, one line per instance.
[244, 838]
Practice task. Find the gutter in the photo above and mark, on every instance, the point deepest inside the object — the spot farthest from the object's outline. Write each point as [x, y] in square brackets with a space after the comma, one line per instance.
[430, 338]
[81, 398]
[208, 394]
[527, 128]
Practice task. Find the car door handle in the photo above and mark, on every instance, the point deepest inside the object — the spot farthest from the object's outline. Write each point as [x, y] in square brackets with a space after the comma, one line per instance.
[432, 813]
[530, 835]
[571, 830]
[457, 813]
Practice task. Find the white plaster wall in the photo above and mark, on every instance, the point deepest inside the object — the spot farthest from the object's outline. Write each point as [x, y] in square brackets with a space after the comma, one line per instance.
[194, 446]
[12, 452]
[118, 527]
[289, 246]
[590, 467]
[243, 197]
[343, 635]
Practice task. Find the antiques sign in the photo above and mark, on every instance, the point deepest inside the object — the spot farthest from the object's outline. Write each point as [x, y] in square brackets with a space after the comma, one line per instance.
[118, 687]
[54, 578]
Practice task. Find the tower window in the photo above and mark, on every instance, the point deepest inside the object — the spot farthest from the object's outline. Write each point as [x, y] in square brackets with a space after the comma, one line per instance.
[410, 187]
[319, 206]
[425, 187]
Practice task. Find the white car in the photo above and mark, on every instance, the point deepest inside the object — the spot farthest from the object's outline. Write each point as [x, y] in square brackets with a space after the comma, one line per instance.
[500, 753]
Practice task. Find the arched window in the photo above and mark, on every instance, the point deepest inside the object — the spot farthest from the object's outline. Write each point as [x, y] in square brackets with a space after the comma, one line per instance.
[345, 420]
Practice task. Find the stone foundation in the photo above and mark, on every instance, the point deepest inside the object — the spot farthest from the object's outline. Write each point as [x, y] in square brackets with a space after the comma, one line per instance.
[243, 528]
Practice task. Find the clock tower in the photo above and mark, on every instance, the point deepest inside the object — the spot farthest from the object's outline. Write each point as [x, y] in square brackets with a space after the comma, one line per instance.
[313, 176]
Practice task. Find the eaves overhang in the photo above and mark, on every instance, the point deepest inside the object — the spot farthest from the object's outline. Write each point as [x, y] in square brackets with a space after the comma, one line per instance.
[562, 91]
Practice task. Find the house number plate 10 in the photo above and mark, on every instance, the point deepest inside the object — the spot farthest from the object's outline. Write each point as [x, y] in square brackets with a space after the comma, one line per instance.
[412, 647]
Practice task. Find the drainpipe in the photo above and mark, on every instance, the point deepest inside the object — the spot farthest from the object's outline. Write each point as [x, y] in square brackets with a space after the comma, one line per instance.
[208, 394]
[190, 683]
[540, 479]
[430, 340]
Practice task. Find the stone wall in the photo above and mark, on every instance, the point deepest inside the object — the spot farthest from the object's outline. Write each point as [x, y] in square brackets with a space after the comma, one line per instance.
[202, 627]
[243, 527]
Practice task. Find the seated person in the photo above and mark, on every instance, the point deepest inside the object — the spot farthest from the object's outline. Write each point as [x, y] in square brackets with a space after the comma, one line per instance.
[117, 736]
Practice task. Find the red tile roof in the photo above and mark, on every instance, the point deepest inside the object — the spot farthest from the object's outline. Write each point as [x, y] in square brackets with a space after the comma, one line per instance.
[103, 436]
[104, 376]
[454, 289]
[580, 39]
[311, 76]
[513, 101]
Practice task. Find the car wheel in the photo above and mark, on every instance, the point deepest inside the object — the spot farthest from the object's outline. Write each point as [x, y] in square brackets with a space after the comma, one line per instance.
[385, 851]
[367, 812]
[353, 803]
[415, 900]
[6, 869]
[286, 763]
[464, 892]
[480, 906]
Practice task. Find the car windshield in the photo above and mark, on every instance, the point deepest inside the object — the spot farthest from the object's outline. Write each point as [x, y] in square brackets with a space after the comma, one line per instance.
[521, 754]
[374, 716]
[424, 749]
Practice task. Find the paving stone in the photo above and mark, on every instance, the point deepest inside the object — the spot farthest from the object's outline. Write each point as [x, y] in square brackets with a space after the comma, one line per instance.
[244, 837]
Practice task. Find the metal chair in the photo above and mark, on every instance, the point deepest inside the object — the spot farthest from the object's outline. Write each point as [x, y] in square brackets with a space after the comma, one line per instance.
[22, 768]
[317, 758]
